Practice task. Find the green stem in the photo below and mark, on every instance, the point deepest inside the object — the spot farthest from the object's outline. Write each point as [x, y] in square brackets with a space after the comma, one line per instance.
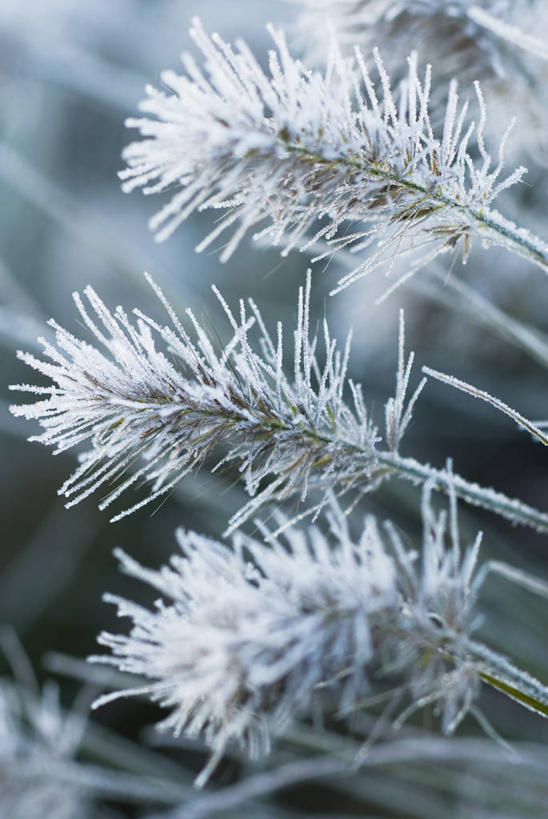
[515, 693]
[498, 672]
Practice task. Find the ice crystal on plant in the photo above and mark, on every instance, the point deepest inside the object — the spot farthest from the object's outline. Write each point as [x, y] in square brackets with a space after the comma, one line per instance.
[132, 399]
[295, 622]
[245, 639]
[304, 154]
[158, 413]
[248, 635]
[439, 596]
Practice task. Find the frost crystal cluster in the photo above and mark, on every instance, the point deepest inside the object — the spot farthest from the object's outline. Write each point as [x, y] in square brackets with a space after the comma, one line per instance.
[174, 406]
[243, 639]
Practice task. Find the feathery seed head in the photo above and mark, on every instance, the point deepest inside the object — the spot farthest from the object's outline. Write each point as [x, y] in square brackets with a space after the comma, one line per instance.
[136, 404]
[154, 413]
[249, 635]
[245, 639]
[304, 154]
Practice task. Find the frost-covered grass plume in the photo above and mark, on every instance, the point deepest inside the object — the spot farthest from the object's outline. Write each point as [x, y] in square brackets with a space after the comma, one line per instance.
[245, 639]
[322, 156]
[155, 414]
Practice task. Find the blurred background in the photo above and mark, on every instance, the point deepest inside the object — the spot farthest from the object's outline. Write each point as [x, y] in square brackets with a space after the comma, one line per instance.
[70, 72]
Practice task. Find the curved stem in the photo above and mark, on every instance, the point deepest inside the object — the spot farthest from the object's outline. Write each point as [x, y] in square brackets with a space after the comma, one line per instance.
[472, 493]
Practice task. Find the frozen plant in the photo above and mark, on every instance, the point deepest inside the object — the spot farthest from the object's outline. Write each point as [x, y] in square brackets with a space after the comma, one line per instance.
[177, 404]
[321, 156]
[249, 635]
[245, 639]
[304, 620]
[172, 408]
